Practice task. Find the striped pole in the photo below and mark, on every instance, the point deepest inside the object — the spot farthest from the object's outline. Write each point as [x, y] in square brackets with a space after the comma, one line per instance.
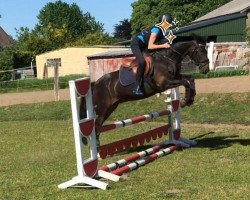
[133, 120]
[144, 161]
[133, 157]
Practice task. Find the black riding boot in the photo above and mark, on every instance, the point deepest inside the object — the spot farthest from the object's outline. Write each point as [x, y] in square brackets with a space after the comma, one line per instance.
[138, 88]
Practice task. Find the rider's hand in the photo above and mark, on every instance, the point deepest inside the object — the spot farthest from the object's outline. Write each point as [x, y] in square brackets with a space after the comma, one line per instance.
[166, 45]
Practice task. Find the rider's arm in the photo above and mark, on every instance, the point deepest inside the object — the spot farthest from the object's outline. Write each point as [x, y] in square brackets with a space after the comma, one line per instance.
[151, 42]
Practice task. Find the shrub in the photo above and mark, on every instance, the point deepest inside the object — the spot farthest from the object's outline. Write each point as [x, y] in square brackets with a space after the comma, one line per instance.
[222, 73]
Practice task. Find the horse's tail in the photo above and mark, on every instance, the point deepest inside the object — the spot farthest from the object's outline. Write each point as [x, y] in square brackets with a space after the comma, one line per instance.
[83, 113]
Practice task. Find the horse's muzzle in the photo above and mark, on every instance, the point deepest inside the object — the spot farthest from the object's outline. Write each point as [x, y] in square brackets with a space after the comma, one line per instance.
[204, 68]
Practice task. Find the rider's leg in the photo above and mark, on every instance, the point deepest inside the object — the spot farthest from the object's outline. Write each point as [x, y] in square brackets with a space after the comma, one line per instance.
[140, 71]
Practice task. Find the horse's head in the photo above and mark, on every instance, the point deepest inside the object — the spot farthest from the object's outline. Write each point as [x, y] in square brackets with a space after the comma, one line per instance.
[198, 53]
[195, 47]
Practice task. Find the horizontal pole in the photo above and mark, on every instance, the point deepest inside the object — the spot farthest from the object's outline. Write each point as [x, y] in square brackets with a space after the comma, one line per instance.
[133, 120]
[128, 159]
[144, 161]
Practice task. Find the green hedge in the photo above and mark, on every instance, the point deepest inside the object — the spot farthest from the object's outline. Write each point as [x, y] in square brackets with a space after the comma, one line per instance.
[221, 73]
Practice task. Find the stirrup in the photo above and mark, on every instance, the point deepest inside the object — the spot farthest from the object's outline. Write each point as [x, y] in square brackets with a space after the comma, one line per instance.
[138, 91]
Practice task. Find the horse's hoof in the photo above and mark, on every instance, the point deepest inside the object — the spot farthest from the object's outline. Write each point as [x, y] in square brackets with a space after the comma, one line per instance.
[183, 104]
[84, 140]
[190, 102]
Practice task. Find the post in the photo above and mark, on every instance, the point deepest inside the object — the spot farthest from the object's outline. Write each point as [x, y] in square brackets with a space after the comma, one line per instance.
[55, 62]
[210, 55]
[56, 82]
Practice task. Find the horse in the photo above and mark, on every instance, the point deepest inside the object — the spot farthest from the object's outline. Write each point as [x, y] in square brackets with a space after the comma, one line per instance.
[108, 92]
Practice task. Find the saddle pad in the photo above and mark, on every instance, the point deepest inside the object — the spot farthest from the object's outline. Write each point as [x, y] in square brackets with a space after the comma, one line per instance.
[126, 76]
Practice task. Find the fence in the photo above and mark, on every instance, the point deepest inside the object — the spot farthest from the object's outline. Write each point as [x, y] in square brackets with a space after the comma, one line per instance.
[230, 55]
[35, 84]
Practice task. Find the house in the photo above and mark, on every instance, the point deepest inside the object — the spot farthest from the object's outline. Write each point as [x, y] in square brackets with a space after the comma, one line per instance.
[73, 60]
[5, 39]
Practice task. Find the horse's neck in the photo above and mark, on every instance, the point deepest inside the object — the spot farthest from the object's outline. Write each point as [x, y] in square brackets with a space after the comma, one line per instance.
[183, 47]
[175, 54]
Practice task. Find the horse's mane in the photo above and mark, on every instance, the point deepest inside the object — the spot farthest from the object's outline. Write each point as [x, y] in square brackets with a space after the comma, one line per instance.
[179, 41]
[193, 37]
[183, 39]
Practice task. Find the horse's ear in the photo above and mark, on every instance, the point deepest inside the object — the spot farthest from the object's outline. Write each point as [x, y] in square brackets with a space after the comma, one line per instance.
[182, 39]
[199, 39]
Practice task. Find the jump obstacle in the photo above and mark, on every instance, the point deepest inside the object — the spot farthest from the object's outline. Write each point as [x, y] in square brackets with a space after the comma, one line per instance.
[87, 169]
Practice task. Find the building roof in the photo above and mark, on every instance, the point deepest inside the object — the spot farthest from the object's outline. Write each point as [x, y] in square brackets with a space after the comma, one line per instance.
[234, 6]
[5, 39]
[112, 54]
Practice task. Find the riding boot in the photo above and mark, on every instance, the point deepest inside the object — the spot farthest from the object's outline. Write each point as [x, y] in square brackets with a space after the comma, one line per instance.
[138, 89]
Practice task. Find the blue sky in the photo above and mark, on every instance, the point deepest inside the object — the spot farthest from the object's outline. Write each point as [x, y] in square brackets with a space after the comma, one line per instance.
[23, 13]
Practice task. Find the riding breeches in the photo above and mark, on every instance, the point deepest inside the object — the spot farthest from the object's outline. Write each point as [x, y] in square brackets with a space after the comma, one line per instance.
[137, 49]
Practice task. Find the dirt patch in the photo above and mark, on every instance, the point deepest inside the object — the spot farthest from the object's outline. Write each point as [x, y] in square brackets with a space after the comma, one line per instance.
[213, 85]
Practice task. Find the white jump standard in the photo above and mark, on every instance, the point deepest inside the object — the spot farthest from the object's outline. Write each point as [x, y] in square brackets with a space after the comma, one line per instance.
[88, 171]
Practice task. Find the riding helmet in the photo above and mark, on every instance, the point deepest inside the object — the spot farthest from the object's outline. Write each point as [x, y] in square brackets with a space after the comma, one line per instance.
[168, 17]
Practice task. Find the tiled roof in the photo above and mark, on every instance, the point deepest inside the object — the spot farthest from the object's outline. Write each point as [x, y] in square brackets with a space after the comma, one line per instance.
[5, 39]
[234, 6]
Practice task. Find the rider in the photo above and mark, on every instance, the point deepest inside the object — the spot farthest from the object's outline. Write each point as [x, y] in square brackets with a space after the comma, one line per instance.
[144, 40]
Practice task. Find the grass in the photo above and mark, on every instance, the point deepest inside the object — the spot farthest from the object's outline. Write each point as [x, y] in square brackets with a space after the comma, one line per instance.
[210, 108]
[37, 153]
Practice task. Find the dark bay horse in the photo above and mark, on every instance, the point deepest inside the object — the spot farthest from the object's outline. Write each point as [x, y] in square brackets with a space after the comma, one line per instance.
[108, 92]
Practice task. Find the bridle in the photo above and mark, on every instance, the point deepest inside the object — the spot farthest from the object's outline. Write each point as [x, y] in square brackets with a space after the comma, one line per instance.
[195, 51]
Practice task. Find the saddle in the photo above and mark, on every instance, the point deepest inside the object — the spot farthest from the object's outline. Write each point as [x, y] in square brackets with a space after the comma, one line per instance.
[129, 67]
[133, 64]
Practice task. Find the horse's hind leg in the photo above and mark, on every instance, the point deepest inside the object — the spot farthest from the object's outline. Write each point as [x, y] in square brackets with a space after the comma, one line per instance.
[103, 112]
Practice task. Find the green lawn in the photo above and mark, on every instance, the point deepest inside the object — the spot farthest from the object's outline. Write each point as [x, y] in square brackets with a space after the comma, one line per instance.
[37, 152]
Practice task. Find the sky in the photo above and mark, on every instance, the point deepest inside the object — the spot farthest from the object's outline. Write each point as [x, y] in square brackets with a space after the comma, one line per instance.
[23, 13]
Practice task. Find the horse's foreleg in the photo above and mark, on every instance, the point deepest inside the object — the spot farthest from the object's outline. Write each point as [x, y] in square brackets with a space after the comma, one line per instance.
[189, 92]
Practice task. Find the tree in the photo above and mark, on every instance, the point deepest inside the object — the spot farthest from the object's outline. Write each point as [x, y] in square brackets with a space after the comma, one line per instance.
[123, 30]
[93, 39]
[61, 23]
[147, 12]
[32, 41]
[6, 62]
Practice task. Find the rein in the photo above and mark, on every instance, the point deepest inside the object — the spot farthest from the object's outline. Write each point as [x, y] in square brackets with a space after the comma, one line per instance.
[175, 51]
[167, 57]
